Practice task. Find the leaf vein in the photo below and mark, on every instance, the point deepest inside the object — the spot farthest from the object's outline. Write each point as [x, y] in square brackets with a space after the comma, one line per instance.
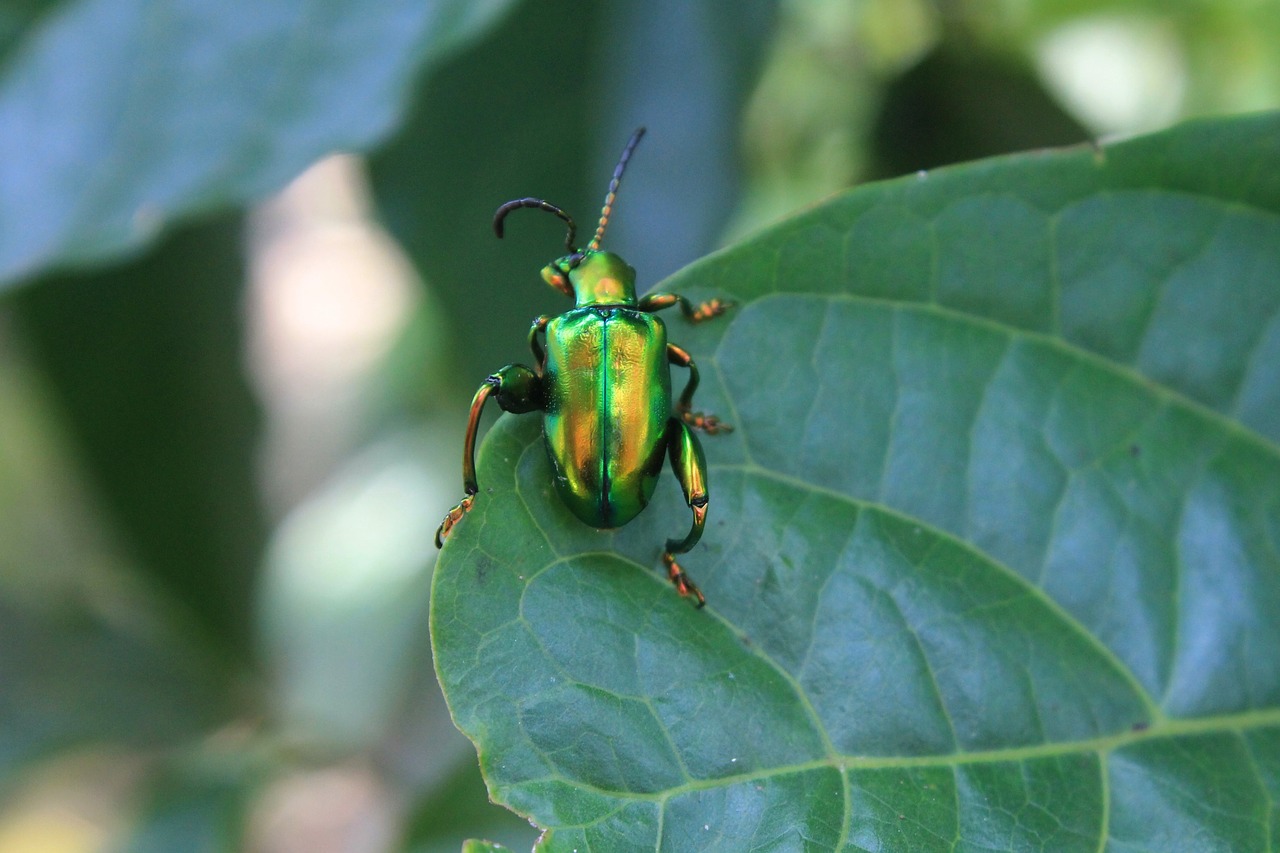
[1067, 618]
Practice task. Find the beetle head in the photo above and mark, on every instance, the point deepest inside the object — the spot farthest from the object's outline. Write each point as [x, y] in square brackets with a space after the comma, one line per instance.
[593, 277]
[590, 275]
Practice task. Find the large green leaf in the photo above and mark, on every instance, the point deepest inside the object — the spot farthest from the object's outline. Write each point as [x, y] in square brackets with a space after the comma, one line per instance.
[993, 557]
[118, 115]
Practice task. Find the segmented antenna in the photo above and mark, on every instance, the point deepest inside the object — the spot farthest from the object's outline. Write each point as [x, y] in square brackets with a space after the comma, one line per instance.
[502, 212]
[613, 189]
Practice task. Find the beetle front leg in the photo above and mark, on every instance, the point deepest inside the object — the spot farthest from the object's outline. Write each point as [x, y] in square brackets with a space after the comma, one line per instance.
[709, 424]
[690, 468]
[711, 308]
[539, 353]
[517, 389]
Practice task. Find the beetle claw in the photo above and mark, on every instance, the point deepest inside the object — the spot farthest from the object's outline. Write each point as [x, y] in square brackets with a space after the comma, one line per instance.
[709, 424]
[455, 515]
[710, 308]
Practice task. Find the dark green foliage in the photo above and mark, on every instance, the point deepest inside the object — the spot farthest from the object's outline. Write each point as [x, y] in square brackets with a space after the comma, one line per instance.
[145, 358]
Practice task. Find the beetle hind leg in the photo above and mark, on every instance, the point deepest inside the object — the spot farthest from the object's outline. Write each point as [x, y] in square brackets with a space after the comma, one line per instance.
[690, 468]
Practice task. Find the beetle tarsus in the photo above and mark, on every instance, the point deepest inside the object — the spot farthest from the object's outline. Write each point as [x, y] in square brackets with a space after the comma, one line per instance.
[709, 424]
[709, 309]
[455, 515]
[681, 581]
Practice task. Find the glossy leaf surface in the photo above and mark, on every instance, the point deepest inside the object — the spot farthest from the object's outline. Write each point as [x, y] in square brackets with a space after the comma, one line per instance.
[993, 556]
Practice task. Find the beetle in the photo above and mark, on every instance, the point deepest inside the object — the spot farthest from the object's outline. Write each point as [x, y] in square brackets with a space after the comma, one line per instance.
[602, 381]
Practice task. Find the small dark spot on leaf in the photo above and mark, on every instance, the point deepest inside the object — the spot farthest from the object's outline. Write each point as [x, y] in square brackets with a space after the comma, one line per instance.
[1140, 726]
[1135, 450]
[483, 565]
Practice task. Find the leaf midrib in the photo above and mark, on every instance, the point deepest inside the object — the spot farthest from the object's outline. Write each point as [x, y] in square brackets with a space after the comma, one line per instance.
[1236, 724]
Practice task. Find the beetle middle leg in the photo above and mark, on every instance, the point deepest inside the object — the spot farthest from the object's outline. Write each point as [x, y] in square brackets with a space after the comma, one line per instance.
[690, 468]
[709, 424]
[516, 389]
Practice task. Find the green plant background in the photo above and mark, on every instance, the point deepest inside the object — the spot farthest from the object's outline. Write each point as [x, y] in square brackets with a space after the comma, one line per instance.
[1006, 432]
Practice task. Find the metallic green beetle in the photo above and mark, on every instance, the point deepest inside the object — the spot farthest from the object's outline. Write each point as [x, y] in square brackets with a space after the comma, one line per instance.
[603, 383]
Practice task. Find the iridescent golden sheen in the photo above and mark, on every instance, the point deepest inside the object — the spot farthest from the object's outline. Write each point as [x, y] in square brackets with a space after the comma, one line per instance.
[608, 398]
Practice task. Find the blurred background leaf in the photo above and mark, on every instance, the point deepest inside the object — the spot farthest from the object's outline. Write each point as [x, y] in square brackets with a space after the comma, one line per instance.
[224, 429]
[455, 810]
[177, 111]
[15, 19]
[957, 104]
[200, 805]
[72, 677]
[144, 359]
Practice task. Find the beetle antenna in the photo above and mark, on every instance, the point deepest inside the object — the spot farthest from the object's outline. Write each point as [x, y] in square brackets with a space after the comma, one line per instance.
[613, 189]
[502, 212]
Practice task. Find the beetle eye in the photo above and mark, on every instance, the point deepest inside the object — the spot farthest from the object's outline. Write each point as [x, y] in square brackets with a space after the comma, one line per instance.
[557, 279]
